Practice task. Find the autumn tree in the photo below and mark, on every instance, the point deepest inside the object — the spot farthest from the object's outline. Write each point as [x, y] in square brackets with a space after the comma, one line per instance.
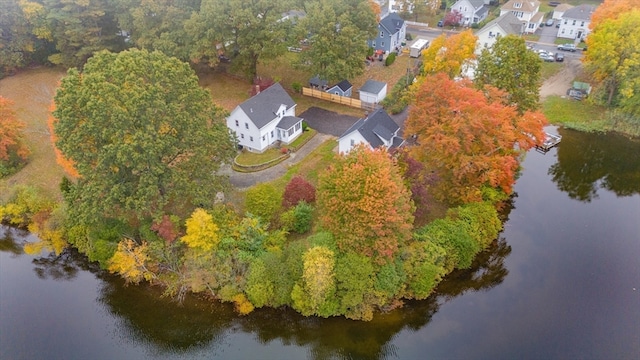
[17, 41]
[509, 66]
[13, 151]
[338, 31]
[613, 61]
[449, 54]
[145, 138]
[453, 18]
[364, 203]
[298, 189]
[611, 9]
[468, 137]
[66, 164]
[317, 283]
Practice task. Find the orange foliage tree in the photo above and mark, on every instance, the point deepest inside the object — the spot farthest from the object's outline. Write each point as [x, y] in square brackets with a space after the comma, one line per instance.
[469, 137]
[611, 9]
[449, 54]
[364, 203]
[11, 133]
[67, 165]
[376, 9]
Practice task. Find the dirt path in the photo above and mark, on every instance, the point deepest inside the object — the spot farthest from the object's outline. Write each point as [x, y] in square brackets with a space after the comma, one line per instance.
[560, 82]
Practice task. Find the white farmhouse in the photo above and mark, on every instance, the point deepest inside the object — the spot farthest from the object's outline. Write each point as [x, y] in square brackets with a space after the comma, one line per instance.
[526, 11]
[506, 24]
[264, 119]
[473, 11]
[575, 22]
[376, 130]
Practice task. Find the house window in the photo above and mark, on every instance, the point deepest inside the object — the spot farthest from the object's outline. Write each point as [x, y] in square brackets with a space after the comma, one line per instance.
[574, 22]
[532, 25]
[582, 23]
[298, 126]
[251, 138]
[246, 126]
[237, 123]
[571, 32]
[373, 44]
[563, 31]
[264, 137]
[381, 33]
[241, 136]
[382, 44]
[353, 142]
[517, 5]
[290, 132]
[272, 134]
[565, 21]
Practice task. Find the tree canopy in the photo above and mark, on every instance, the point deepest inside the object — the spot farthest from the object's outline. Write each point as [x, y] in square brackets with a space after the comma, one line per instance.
[469, 137]
[364, 203]
[12, 148]
[142, 134]
[449, 54]
[509, 66]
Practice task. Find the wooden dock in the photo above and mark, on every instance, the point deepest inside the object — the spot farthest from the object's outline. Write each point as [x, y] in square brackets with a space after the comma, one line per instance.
[550, 141]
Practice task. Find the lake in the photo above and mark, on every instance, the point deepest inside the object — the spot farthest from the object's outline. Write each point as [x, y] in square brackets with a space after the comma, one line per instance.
[562, 281]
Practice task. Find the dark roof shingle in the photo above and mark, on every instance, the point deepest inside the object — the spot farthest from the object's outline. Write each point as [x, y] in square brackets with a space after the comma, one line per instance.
[262, 108]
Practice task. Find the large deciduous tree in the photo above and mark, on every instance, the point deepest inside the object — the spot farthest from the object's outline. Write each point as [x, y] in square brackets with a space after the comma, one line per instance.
[613, 60]
[364, 203]
[338, 32]
[610, 9]
[449, 54]
[12, 148]
[143, 136]
[469, 137]
[509, 66]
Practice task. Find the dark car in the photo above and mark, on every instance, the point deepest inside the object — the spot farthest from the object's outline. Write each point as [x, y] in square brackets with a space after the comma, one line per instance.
[441, 23]
[559, 57]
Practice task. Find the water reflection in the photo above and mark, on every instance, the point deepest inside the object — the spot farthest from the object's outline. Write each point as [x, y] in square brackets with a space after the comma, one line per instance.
[589, 162]
[168, 329]
[9, 241]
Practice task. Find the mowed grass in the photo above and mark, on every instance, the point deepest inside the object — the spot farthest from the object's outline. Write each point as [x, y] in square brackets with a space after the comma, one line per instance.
[548, 69]
[32, 92]
[580, 115]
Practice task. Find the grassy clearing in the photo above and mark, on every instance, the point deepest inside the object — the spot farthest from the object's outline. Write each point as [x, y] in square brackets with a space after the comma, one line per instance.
[32, 92]
[579, 115]
[549, 69]
[248, 158]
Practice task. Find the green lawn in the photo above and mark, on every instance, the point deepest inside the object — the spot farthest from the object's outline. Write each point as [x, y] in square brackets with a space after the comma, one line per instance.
[580, 115]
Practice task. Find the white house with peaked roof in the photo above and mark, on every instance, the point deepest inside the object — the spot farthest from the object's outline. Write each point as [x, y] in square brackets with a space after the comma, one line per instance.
[526, 11]
[575, 22]
[473, 11]
[264, 119]
[559, 10]
[392, 30]
[373, 91]
[506, 24]
[376, 130]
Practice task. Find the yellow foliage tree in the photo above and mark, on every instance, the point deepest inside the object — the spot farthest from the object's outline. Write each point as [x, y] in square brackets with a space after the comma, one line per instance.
[202, 232]
[449, 54]
[130, 261]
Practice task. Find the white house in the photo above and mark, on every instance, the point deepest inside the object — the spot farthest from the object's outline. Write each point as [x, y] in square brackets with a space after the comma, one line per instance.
[473, 11]
[559, 11]
[264, 119]
[575, 22]
[373, 91]
[376, 130]
[526, 11]
[506, 24]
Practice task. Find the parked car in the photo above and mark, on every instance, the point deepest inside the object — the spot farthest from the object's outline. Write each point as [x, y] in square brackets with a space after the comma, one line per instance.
[549, 22]
[558, 24]
[559, 57]
[554, 3]
[567, 47]
[441, 23]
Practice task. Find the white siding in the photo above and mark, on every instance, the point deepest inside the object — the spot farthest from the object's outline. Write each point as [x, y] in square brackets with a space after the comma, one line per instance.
[344, 145]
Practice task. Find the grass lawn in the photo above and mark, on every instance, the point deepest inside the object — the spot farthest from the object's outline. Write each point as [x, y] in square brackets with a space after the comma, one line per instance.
[549, 69]
[575, 114]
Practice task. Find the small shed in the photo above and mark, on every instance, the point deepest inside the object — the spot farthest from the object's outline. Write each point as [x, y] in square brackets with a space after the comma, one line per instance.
[317, 83]
[418, 46]
[343, 88]
[373, 91]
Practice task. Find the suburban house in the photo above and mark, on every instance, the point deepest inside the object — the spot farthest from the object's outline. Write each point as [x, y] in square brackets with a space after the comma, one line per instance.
[526, 11]
[575, 22]
[473, 11]
[559, 11]
[343, 88]
[373, 91]
[376, 130]
[392, 30]
[317, 83]
[506, 24]
[265, 119]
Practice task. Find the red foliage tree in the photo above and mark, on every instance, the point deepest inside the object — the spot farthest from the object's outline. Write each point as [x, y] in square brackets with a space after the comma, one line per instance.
[260, 84]
[166, 229]
[453, 18]
[469, 137]
[297, 190]
[10, 132]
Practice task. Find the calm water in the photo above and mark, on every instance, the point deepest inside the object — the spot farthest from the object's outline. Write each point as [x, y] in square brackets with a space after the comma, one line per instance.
[563, 281]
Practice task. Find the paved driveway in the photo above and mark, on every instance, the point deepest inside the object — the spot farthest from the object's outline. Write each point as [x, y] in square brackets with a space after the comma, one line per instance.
[328, 122]
[548, 34]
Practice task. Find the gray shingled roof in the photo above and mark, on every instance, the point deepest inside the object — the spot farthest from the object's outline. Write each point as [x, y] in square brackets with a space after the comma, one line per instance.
[288, 121]
[262, 108]
[372, 86]
[477, 4]
[316, 81]
[580, 12]
[508, 22]
[344, 85]
[392, 22]
[377, 124]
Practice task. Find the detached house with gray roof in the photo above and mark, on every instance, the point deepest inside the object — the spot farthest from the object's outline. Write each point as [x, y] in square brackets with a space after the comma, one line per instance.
[526, 11]
[392, 30]
[473, 11]
[574, 23]
[506, 24]
[265, 119]
[376, 130]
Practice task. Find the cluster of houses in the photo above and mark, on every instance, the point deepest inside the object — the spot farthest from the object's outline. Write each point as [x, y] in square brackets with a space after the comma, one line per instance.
[269, 117]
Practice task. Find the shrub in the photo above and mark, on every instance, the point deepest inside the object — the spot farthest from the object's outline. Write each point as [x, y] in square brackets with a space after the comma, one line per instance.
[390, 59]
[297, 190]
[370, 51]
[263, 200]
[297, 87]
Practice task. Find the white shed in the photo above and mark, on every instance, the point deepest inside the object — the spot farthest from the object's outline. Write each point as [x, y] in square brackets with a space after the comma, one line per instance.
[373, 91]
[418, 46]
